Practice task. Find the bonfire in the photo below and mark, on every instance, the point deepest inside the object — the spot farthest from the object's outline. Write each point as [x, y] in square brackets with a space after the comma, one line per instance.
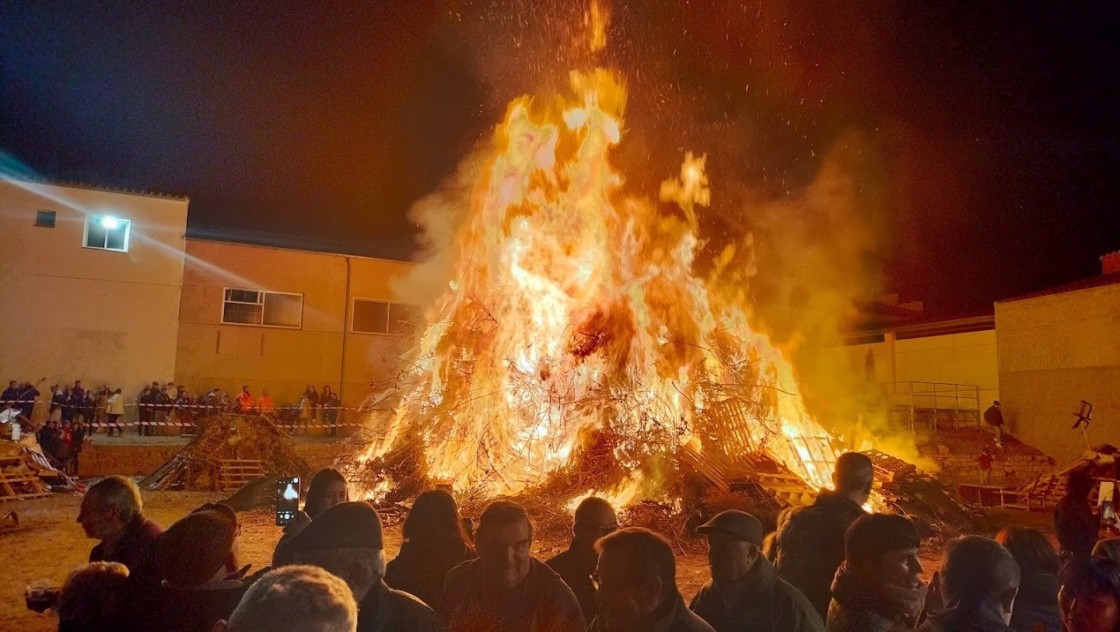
[576, 348]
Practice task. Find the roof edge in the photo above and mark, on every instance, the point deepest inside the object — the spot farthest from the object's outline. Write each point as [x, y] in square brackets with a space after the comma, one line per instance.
[92, 187]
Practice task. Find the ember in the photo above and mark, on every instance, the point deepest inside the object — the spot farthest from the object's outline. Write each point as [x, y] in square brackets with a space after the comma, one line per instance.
[576, 349]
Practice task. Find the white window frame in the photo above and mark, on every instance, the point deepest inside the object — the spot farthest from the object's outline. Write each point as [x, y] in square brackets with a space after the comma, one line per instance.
[388, 315]
[261, 294]
[96, 218]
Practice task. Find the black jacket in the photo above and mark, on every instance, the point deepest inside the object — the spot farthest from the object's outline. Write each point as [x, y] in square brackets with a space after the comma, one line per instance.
[809, 545]
[421, 573]
[543, 603]
[1036, 605]
[576, 570]
[386, 610]
[1076, 526]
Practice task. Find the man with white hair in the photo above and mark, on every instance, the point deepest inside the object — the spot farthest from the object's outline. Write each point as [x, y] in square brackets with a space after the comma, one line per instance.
[294, 599]
[112, 512]
[346, 541]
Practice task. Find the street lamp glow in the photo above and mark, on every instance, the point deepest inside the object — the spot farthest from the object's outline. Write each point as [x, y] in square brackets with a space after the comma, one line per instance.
[108, 222]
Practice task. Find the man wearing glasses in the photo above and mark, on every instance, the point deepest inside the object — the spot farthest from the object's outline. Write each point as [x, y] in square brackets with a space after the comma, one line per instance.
[594, 518]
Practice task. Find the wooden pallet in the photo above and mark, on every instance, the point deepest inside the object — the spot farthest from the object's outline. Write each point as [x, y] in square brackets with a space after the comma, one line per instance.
[19, 482]
[233, 474]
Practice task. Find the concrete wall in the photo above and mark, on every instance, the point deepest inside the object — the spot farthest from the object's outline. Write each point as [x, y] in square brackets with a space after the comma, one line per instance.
[282, 360]
[69, 312]
[958, 358]
[1055, 351]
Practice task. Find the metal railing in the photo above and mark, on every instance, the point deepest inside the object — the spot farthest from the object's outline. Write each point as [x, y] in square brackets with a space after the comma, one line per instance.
[937, 400]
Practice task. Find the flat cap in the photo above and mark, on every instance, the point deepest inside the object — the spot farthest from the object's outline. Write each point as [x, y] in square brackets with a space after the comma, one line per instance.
[737, 524]
[349, 525]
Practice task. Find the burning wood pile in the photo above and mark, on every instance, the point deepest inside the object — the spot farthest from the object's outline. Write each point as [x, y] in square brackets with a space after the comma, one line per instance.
[577, 349]
[227, 451]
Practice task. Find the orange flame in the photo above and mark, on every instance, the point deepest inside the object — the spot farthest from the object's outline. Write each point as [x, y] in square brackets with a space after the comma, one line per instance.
[575, 314]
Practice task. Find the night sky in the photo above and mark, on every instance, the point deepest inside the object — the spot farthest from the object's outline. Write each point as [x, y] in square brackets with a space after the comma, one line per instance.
[983, 135]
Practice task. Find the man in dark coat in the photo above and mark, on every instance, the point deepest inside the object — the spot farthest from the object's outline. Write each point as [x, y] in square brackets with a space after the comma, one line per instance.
[978, 581]
[993, 416]
[637, 577]
[1077, 528]
[594, 518]
[809, 543]
[10, 396]
[746, 594]
[346, 541]
[878, 588]
[505, 588]
[112, 512]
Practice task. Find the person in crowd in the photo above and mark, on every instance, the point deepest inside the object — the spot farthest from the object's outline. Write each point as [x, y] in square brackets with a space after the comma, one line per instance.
[265, 404]
[1076, 526]
[76, 400]
[114, 409]
[637, 578]
[27, 395]
[593, 519]
[164, 406]
[51, 441]
[294, 599]
[993, 416]
[68, 410]
[172, 391]
[808, 545]
[1089, 598]
[434, 543]
[184, 410]
[77, 442]
[978, 582]
[192, 577]
[326, 489]
[113, 512]
[506, 588]
[144, 408]
[10, 394]
[313, 396]
[58, 399]
[190, 581]
[346, 540]
[306, 408]
[92, 598]
[745, 593]
[330, 403]
[1107, 547]
[245, 400]
[985, 462]
[1036, 609]
[878, 588]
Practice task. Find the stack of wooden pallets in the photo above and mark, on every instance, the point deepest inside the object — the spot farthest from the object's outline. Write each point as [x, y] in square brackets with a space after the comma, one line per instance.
[18, 481]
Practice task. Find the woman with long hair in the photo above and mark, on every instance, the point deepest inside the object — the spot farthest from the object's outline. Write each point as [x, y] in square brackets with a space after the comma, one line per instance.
[326, 489]
[1036, 606]
[434, 543]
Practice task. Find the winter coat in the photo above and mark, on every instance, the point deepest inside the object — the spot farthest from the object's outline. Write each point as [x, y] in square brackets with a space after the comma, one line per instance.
[763, 602]
[855, 608]
[809, 545]
[1037, 604]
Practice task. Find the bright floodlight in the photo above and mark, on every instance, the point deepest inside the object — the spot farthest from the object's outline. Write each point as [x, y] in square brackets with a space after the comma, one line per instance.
[108, 222]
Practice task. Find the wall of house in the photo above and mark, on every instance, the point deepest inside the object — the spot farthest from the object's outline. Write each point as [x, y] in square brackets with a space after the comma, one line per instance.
[283, 360]
[1054, 351]
[958, 358]
[70, 312]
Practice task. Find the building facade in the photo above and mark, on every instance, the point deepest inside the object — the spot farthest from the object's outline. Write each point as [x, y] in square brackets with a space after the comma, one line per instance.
[285, 319]
[1057, 348]
[91, 282]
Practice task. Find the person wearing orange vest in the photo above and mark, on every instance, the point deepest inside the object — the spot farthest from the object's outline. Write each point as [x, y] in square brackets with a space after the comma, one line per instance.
[265, 404]
[245, 401]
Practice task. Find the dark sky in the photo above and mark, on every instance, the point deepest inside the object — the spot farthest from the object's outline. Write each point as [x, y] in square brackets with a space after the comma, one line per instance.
[988, 131]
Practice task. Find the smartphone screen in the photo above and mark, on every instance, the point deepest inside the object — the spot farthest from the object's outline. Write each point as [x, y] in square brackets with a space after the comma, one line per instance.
[287, 500]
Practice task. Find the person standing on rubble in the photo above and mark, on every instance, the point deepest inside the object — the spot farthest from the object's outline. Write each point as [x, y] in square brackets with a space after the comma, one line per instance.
[994, 418]
[808, 546]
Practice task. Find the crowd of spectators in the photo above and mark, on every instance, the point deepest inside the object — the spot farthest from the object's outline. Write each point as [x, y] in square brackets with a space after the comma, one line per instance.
[161, 408]
[329, 571]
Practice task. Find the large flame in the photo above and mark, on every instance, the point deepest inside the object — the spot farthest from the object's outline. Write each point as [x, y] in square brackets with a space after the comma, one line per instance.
[575, 330]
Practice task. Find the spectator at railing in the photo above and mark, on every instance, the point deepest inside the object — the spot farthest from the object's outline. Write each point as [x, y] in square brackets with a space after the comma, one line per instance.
[184, 410]
[265, 404]
[330, 403]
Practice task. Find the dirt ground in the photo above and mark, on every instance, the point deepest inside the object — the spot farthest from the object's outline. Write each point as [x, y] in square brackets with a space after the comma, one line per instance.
[48, 544]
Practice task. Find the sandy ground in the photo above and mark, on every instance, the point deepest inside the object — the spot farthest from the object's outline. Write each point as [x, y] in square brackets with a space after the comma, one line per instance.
[48, 544]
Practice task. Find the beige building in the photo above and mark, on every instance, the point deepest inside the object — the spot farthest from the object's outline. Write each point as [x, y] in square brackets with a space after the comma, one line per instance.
[91, 282]
[1059, 347]
[283, 319]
